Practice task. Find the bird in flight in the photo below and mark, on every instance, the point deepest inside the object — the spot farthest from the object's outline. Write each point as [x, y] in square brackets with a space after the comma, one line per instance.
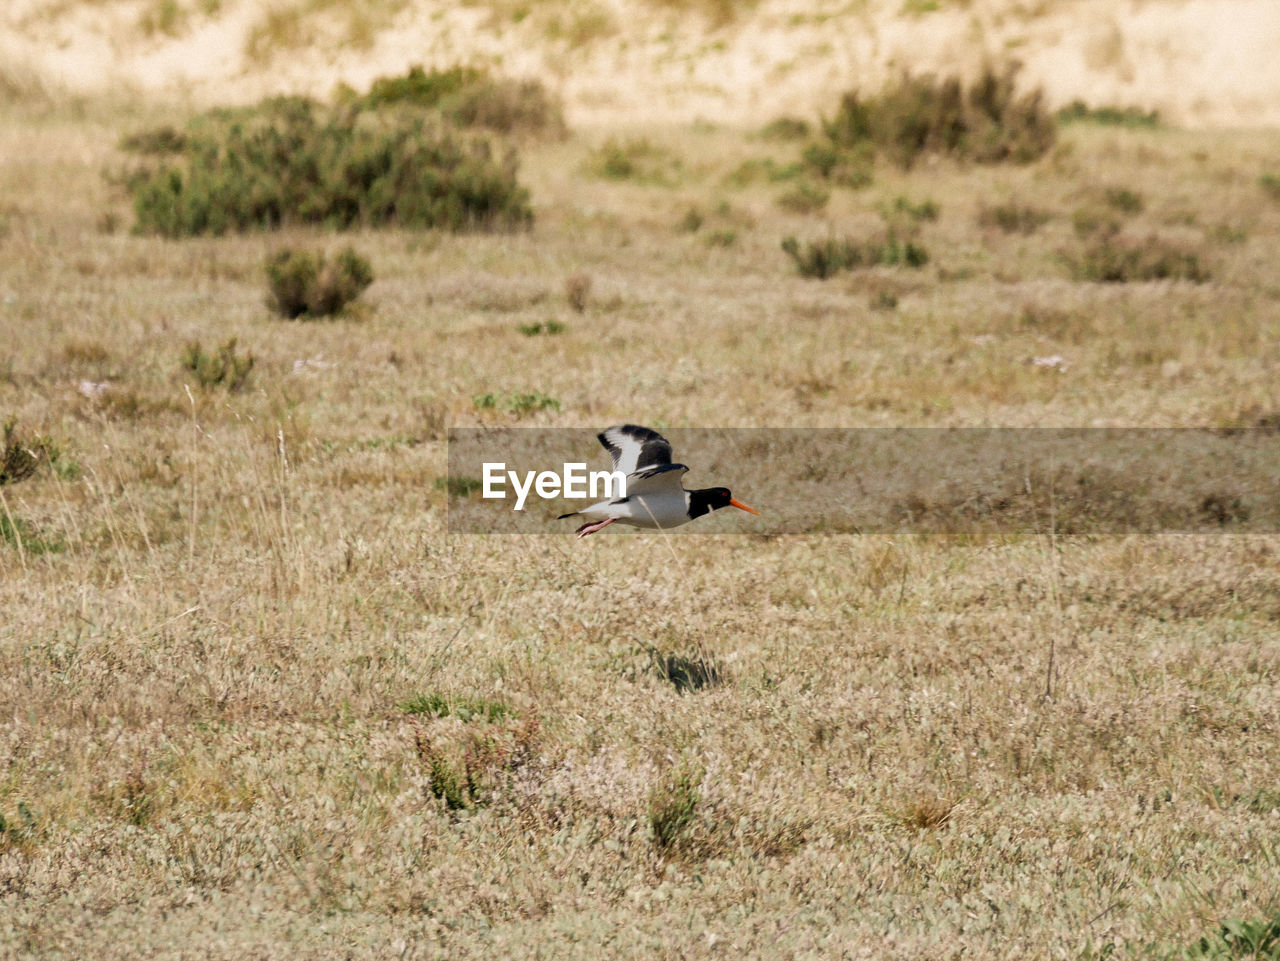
[656, 498]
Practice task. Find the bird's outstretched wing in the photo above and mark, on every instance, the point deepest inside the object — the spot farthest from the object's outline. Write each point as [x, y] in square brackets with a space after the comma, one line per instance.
[663, 479]
[635, 448]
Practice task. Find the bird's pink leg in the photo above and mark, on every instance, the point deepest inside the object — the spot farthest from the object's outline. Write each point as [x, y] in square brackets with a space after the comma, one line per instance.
[594, 526]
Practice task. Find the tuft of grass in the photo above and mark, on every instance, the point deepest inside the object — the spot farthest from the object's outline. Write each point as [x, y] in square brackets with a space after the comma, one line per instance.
[466, 709]
[986, 121]
[548, 327]
[1270, 184]
[516, 403]
[672, 805]
[474, 773]
[1123, 199]
[686, 673]
[1112, 258]
[221, 368]
[638, 160]
[18, 832]
[806, 197]
[1013, 217]
[21, 455]
[577, 288]
[290, 160]
[926, 812]
[824, 258]
[23, 536]
[303, 283]
[1078, 111]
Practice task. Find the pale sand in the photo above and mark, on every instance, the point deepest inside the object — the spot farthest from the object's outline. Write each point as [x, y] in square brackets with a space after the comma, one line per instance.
[1199, 62]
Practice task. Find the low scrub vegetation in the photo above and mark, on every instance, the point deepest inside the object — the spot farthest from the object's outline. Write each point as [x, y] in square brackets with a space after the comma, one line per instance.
[224, 367]
[1013, 217]
[986, 121]
[305, 283]
[468, 97]
[826, 257]
[1111, 257]
[291, 160]
[1078, 111]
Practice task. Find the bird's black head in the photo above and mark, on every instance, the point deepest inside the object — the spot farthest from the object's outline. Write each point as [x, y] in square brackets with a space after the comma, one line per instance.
[712, 499]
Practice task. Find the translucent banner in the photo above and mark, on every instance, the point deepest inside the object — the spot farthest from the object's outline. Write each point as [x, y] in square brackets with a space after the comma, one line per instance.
[878, 480]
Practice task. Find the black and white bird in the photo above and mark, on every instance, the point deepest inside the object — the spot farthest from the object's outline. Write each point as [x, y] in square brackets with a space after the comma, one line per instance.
[656, 497]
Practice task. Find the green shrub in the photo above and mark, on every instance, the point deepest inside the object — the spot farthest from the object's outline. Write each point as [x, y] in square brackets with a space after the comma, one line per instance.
[1078, 110]
[291, 161]
[986, 122]
[222, 368]
[470, 97]
[305, 283]
[824, 258]
[805, 197]
[1123, 199]
[1112, 258]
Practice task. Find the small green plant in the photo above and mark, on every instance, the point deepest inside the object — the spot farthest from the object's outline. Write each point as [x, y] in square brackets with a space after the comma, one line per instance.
[1270, 183]
[637, 160]
[842, 166]
[223, 367]
[548, 327]
[472, 774]
[466, 709]
[824, 258]
[516, 403]
[1013, 217]
[805, 197]
[304, 283]
[903, 208]
[1078, 111]
[459, 487]
[1257, 939]
[672, 806]
[19, 534]
[1123, 199]
[20, 831]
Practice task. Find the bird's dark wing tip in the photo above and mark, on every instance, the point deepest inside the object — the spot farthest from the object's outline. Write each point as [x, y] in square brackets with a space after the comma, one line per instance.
[570, 514]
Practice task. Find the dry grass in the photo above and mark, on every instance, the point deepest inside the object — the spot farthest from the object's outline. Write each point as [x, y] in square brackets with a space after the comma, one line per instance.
[1000, 747]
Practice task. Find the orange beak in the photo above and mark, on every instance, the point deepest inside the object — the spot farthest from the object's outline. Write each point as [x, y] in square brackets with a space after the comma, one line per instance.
[743, 507]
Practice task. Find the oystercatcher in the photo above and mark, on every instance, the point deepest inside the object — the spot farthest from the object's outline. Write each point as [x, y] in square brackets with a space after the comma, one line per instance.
[656, 497]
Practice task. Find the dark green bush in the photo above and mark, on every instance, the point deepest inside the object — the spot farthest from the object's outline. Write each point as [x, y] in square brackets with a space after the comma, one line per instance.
[290, 160]
[305, 283]
[824, 258]
[987, 121]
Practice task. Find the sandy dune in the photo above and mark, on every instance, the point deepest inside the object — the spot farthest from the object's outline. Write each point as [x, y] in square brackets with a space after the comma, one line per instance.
[1200, 62]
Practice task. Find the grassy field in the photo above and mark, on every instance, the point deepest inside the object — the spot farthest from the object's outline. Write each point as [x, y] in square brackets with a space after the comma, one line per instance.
[255, 702]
